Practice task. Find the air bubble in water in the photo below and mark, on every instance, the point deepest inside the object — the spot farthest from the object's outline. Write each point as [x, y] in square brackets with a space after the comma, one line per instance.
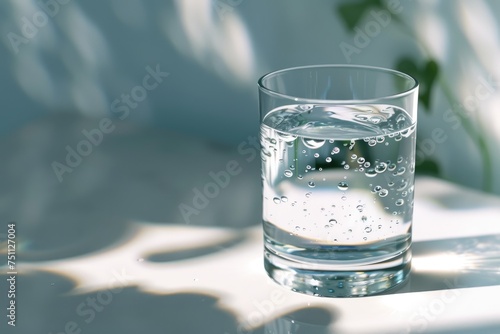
[372, 142]
[402, 185]
[367, 164]
[400, 202]
[308, 195]
[343, 185]
[391, 166]
[284, 199]
[316, 155]
[311, 184]
[332, 221]
[299, 177]
[381, 167]
[368, 229]
[370, 172]
[308, 167]
[361, 160]
[354, 156]
[400, 171]
[288, 173]
[328, 159]
[313, 143]
[277, 200]
[380, 139]
[346, 167]
[383, 193]
[360, 208]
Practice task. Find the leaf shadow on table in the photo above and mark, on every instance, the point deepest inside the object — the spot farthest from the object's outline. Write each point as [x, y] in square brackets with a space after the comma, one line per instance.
[135, 174]
[46, 303]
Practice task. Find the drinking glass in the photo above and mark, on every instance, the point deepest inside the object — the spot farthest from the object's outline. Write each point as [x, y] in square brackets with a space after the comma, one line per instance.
[338, 163]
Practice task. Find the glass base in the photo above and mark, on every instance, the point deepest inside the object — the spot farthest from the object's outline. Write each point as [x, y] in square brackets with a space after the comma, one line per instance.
[337, 283]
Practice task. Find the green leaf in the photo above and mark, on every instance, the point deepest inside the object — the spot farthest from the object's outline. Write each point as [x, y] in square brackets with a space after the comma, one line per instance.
[352, 13]
[426, 75]
[428, 167]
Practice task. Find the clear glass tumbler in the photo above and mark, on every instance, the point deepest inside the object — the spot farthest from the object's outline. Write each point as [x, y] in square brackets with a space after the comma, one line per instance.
[338, 163]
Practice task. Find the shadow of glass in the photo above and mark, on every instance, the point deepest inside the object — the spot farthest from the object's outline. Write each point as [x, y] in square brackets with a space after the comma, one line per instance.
[47, 303]
[455, 263]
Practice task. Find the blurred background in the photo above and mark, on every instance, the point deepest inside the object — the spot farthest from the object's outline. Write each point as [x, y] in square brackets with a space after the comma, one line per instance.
[66, 57]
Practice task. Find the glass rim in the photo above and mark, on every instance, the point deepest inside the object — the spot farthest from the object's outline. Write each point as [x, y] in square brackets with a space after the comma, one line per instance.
[275, 93]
